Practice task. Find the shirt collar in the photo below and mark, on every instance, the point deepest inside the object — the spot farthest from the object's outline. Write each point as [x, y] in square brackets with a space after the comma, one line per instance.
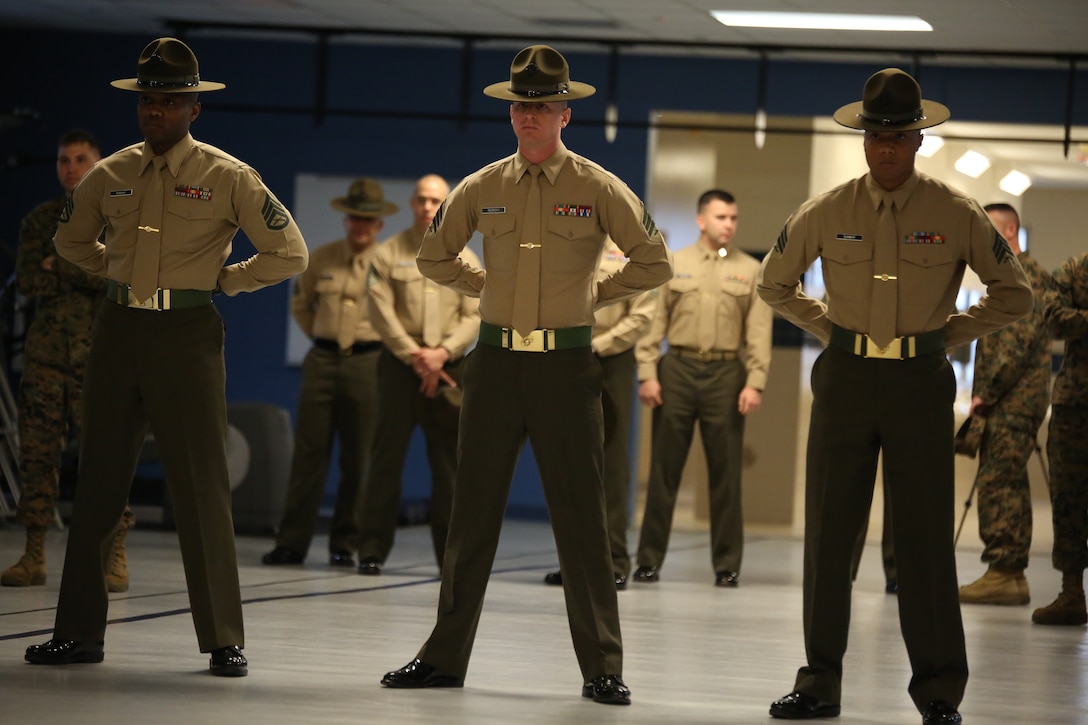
[551, 166]
[900, 195]
[174, 155]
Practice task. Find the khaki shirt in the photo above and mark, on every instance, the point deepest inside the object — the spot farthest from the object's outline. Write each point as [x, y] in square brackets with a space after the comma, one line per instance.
[582, 205]
[942, 230]
[214, 195]
[329, 299]
[618, 327]
[742, 321]
[398, 294]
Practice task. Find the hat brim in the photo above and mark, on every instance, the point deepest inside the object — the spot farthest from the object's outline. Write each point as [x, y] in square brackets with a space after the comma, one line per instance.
[341, 204]
[575, 91]
[131, 84]
[933, 114]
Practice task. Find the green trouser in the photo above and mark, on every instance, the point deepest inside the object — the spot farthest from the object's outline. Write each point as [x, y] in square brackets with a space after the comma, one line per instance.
[400, 408]
[337, 402]
[617, 396]
[166, 370]
[706, 392]
[903, 408]
[552, 399]
[887, 545]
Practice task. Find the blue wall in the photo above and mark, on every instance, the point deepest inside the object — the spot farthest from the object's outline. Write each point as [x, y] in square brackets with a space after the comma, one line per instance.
[398, 111]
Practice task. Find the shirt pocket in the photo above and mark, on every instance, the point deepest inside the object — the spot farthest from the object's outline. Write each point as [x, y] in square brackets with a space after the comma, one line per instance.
[121, 213]
[500, 241]
[571, 244]
[848, 268]
[196, 218]
[683, 299]
[926, 271]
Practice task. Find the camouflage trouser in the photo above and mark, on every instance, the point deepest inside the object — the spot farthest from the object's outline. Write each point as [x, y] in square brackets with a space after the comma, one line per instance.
[1004, 493]
[1067, 449]
[49, 403]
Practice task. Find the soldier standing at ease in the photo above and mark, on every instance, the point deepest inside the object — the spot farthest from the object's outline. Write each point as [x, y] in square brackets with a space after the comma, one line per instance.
[57, 344]
[339, 393]
[425, 329]
[1010, 393]
[1066, 313]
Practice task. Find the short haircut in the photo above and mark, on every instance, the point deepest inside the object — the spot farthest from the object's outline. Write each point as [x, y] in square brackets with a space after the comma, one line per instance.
[1004, 209]
[78, 135]
[714, 195]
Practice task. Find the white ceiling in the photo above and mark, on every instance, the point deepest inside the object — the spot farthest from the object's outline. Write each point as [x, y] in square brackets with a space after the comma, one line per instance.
[1046, 27]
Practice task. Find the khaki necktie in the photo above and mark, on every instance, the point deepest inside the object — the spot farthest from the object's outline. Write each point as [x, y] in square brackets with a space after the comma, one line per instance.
[709, 292]
[527, 289]
[432, 323]
[350, 306]
[882, 315]
[145, 264]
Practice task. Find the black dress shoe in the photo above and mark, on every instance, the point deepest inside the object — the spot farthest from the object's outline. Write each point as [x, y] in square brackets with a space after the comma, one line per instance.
[418, 674]
[282, 555]
[607, 690]
[727, 579]
[891, 586]
[940, 711]
[370, 566]
[341, 557]
[646, 574]
[799, 706]
[555, 578]
[621, 582]
[228, 662]
[64, 652]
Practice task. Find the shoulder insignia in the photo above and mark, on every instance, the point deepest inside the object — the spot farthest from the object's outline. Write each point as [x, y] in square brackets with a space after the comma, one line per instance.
[783, 238]
[373, 279]
[1002, 253]
[648, 223]
[66, 211]
[275, 215]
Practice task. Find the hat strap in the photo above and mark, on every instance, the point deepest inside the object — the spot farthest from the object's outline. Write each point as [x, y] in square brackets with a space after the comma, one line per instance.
[175, 82]
[896, 119]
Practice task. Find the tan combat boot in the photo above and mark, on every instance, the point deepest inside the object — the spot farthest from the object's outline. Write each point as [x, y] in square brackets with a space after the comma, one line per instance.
[1069, 607]
[117, 566]
[1006, 587]
[30, 569]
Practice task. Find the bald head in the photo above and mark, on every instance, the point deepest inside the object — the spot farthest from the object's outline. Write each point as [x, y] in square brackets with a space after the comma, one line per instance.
[430, 192]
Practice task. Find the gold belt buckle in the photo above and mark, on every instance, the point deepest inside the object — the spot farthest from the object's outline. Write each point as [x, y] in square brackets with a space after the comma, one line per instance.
[535, 341]
[894, 350]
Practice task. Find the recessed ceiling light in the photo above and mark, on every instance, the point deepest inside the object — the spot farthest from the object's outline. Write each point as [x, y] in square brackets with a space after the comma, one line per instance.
[1015, 182]
[973, 164]
[819, 21]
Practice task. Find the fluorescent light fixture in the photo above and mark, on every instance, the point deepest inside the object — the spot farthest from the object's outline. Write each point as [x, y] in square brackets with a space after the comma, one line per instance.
[930, 145]
[1015, 182]
[973, 164]
[819, 21]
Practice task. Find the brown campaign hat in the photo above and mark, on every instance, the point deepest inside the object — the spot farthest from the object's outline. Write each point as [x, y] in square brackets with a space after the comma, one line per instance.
[892, 101]
[167, 65]
[365, 199]
[539, 74]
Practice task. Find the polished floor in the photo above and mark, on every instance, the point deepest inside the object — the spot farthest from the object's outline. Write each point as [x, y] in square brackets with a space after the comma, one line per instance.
[319, 639]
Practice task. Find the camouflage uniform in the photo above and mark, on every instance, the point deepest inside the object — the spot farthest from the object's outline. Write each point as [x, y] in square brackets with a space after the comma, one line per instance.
[1012, 377]
[57, 344]
[1067, 448]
